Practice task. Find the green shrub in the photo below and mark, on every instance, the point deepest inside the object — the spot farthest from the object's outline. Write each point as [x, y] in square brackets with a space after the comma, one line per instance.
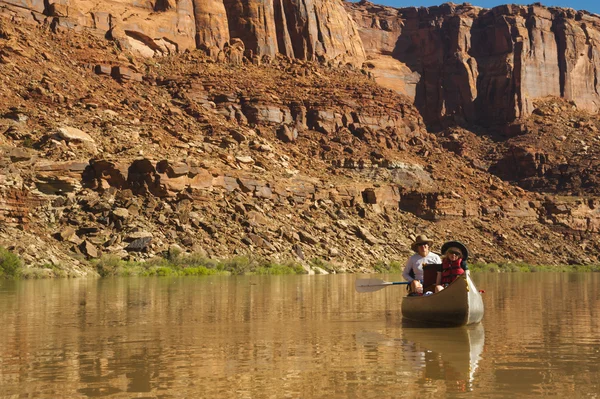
[195, 260]
[280, 269]
[200, 271]
[396, 266]
[174, 253]
[509, 267]
[519, 267]
[392, 267]
[10, 264]
[533, 268]
[175, 264]
[162, 271]
[32, 273]
[484, 267]
[583, 268]
[380, 267]
[238, 265]
[109, 265]
[327, 266]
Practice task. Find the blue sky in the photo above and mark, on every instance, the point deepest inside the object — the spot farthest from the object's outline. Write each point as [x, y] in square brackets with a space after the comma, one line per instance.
[589, 5]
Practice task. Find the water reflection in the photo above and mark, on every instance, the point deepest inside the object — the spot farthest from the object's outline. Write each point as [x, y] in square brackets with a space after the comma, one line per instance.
[292, 336]
[448, 354]
[544, 328]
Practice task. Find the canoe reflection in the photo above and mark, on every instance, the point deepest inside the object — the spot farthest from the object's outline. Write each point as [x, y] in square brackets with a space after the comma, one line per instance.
[450, 354]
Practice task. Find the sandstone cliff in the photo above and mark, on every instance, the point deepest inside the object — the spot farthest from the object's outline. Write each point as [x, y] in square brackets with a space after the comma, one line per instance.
[460, 64]
[105, 151]
[467, 65]
[306, 29]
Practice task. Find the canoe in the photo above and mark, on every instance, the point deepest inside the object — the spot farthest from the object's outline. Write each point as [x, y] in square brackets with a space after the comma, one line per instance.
[458, 305]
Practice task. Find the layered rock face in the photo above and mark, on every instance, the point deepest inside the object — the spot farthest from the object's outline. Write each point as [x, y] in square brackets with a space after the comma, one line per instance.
[212, 29]
[306, 29]
[473, 65]
[102, 153]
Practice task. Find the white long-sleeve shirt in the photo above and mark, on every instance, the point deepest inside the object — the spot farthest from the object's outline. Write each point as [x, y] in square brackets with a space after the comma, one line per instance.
[415, 263]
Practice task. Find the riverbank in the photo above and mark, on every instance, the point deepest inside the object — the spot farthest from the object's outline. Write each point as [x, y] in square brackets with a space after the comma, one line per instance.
[527, 268]
[183, 264]
[174, 263]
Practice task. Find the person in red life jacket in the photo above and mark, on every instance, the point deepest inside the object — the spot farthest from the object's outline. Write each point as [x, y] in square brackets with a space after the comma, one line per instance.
[453, 264]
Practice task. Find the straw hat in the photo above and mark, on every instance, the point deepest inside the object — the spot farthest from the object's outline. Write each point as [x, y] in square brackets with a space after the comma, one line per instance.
[456, 245]
[421, 239]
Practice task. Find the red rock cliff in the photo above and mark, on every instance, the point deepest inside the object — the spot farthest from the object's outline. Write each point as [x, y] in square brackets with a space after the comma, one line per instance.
[306, 29]
[475, 65]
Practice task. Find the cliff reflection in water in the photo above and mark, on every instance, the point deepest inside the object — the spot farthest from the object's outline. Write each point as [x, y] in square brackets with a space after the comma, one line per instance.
[206, 337]
[292, 336]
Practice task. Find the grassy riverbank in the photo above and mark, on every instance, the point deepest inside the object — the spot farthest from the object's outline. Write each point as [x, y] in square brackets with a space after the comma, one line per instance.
[526, 268]
[508, 267]
[173, 264]
[180, 264]
[194, 265]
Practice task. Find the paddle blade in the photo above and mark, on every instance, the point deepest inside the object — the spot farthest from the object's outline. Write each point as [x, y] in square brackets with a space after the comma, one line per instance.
[370, 285]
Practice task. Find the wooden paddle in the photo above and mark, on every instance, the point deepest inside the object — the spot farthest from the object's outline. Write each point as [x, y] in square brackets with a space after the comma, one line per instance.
[374, 284]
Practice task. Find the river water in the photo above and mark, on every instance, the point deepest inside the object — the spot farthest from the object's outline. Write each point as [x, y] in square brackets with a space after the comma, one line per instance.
[293, 337]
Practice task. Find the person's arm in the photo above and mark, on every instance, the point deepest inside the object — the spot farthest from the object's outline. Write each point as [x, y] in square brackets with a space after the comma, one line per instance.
[438, 278]
[464, 266]
[406, 271]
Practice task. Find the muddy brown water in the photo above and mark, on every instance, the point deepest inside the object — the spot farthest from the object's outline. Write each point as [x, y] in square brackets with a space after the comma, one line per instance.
[293, 337]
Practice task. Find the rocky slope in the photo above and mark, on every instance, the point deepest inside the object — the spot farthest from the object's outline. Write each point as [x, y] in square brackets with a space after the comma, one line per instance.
[106, 151]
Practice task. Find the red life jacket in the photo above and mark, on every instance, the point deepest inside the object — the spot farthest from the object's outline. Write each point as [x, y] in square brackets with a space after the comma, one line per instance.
[451, 270]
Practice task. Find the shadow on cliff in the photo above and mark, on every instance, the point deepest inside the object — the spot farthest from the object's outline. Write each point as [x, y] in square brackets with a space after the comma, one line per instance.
[465, 79]
[443, 93]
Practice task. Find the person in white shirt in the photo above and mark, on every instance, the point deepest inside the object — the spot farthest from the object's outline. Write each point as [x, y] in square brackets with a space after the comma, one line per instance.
[415, 263]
